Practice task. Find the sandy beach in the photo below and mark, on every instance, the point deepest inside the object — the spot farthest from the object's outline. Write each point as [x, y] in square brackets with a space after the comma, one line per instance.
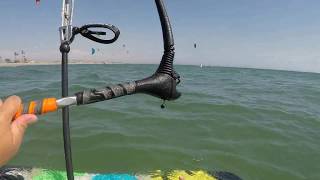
[24, 64]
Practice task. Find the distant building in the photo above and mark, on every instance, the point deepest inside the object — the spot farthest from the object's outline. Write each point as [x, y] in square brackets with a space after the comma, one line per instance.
[16, 57]
[8, 60]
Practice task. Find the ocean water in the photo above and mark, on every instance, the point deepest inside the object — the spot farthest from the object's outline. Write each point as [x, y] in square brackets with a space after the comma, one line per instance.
[258, 124]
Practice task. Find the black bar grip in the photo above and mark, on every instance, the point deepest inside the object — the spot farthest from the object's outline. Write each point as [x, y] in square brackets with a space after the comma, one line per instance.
[159, 85]
[109, 92]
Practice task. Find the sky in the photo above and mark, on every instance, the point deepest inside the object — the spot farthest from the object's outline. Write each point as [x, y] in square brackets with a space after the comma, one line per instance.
[268, 34]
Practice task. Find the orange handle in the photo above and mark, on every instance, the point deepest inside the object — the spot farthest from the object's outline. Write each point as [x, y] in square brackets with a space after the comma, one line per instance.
[38, 107]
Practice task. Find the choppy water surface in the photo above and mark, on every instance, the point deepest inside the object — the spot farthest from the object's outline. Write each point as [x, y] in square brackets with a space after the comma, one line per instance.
[259, 124]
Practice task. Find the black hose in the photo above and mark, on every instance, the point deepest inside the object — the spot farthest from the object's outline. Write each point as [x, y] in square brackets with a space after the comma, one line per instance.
[166, 64]
[165, 24]
[64, 49]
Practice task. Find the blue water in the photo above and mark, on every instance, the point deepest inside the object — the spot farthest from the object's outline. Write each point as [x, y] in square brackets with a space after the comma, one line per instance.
[258, 124]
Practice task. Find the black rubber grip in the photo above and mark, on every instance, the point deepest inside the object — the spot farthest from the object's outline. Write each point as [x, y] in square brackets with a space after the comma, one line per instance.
[159, 85]
[109, 92]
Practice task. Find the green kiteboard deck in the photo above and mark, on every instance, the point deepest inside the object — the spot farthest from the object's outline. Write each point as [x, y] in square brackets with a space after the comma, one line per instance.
[44, 174]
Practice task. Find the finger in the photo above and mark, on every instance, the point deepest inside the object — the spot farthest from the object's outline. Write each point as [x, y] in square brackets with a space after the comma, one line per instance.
[9, 109]
[0, 102]
[19, 126]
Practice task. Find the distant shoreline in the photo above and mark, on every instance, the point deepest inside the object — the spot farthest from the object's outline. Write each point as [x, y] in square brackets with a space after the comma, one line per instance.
[40, 64]
[101, 63]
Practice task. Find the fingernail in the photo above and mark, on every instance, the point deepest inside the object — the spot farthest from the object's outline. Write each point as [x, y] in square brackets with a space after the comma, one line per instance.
[31, 118]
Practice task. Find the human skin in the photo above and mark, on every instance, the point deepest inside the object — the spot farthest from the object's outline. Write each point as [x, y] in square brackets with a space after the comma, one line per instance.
[12, 132]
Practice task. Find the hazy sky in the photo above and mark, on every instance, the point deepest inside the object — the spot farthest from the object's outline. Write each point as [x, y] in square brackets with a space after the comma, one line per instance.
[278, 34]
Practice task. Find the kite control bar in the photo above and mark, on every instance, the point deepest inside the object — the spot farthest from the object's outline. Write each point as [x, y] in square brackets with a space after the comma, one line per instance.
[161, 84]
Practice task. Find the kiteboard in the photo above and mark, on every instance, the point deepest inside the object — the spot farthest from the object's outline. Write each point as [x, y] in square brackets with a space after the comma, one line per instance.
[9, 173]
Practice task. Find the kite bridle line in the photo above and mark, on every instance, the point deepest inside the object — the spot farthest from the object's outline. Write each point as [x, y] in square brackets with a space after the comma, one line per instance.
[161, 84]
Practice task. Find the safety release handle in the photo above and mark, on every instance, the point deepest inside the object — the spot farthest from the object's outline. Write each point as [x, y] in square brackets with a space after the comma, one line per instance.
[89, 31]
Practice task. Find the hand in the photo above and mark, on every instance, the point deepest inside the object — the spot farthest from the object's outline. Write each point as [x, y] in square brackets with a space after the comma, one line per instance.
[12, 132]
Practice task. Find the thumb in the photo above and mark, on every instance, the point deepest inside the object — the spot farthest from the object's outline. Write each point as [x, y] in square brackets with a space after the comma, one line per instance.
[19, 126]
